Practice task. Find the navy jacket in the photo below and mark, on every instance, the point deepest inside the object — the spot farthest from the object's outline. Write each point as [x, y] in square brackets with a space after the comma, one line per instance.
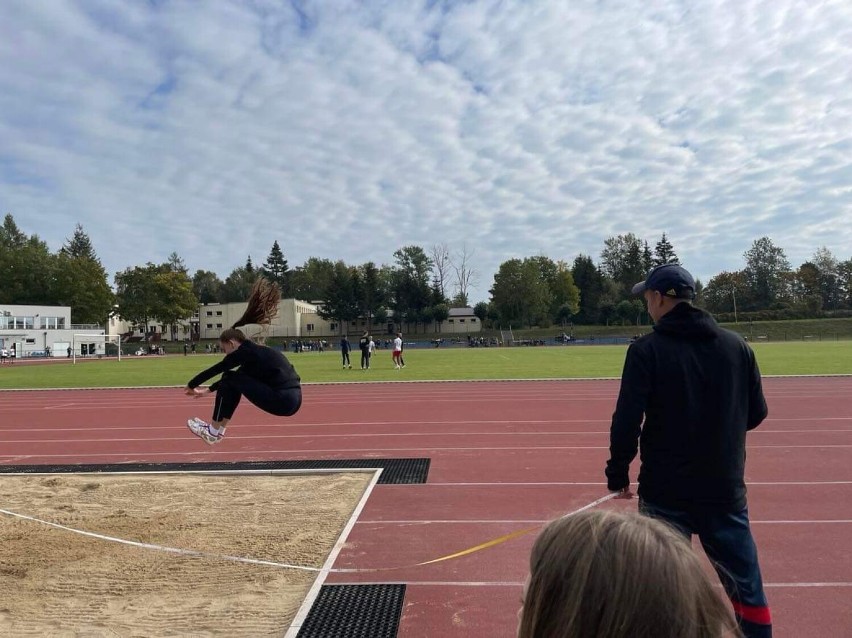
[698, 388]
[256, 361]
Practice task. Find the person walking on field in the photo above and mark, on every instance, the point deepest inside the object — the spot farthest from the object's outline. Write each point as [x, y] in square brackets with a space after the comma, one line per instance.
[397, 352]
[262, 375]
[698, 389]
[345, 347]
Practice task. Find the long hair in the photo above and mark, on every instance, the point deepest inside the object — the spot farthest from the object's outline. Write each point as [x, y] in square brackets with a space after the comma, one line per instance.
[602, 573]
[262, 304]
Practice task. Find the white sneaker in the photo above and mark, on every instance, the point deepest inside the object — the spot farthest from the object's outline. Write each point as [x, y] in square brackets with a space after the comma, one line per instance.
[203, 431]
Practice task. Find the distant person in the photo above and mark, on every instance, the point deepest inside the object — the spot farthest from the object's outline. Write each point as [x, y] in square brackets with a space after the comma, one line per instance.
[690, 391]
[185, 348]
[69, 351]
[396, 357]
[604, 574]
[262, 375]
[345, 348]
[364, 346]
[47, 351]
[371, 348]
[4, 354]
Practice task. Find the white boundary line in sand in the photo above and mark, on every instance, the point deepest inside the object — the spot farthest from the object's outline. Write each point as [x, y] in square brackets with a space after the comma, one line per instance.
[322, 572]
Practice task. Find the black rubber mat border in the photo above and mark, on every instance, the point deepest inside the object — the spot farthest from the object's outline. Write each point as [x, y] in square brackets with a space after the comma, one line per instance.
[396, 471]
[355, 611]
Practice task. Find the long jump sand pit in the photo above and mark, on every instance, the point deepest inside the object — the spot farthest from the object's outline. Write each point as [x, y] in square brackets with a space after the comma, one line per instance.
[56, 582]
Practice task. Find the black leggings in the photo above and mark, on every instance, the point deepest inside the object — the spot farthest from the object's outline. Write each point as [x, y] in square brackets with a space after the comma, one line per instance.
[234, 385]
[345, 357]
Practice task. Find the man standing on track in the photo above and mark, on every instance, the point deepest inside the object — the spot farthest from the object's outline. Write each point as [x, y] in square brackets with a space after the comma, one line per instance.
[698, 389]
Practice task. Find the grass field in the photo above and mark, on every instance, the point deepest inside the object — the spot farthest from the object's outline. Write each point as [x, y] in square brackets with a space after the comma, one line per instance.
[557, 362]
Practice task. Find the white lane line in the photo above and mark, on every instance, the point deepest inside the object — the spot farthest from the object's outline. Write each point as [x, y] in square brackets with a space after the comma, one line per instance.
[535, 521]
[376, 450]
[486, 583]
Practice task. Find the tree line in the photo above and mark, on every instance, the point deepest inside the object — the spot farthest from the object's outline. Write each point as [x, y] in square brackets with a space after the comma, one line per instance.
[420, 287]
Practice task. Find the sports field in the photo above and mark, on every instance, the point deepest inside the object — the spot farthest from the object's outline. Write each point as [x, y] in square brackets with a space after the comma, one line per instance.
[436, 364]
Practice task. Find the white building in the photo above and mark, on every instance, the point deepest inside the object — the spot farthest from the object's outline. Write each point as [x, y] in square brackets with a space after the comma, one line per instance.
[37, 331]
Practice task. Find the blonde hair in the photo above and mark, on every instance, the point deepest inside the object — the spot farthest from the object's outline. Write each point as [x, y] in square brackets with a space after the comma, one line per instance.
[611, 575]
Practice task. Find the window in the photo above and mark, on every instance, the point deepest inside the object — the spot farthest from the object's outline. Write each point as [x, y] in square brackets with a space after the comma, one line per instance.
[473, 320]
[452, 320]
[309, 327]
[461, 320]
[210, 326]
[218, 325]
[209, 313]
[218, 313]
[332, 326]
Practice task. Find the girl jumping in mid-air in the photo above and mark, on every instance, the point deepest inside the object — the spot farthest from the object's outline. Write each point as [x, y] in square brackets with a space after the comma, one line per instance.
[260, 374]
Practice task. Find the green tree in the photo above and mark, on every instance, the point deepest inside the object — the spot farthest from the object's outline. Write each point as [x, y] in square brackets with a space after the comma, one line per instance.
[311, 280]
[276, 269]
[136, 295]
[411, 292]
[11, 236]
[79, 245]
[590, 282]
[82, 284]
[520, 292]
[207, 287]
[175, 300]
[664, 253]
[237, 285]
[766, 264]
[724, 291]
[440, 313]
[481, 311]
[625, 260]
[565, 295]
[340, 303]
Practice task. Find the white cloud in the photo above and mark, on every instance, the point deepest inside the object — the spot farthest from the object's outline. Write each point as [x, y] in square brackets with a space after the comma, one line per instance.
[347, 130]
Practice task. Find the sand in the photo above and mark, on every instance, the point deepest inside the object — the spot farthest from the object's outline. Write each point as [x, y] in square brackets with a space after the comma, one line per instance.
[59, 583]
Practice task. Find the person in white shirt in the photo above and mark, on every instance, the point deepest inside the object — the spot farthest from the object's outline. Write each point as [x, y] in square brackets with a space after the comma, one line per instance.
[4, 354]
[371, 345]
[397, 351]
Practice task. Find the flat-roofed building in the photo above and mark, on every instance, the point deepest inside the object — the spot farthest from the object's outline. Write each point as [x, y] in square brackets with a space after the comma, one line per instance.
[36, 331]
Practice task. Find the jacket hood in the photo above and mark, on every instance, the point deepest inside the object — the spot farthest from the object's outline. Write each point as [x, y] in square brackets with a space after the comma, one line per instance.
[685, 320]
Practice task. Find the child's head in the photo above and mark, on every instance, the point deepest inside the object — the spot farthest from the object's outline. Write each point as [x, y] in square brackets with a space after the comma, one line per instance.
[602, 573]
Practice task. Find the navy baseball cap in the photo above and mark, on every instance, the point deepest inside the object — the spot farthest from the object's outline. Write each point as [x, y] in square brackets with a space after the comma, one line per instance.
[671, 280]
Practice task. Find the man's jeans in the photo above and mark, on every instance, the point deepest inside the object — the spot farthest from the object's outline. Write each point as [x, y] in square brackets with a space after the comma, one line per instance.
[728, 543]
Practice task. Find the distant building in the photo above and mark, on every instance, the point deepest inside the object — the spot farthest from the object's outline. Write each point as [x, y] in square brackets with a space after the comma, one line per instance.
[461, 320]
[37, 330]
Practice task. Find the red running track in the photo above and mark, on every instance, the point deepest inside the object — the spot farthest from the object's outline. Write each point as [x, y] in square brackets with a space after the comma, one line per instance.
[505, 456]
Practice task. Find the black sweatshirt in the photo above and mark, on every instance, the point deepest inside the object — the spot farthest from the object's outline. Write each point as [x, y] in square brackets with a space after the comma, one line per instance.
[258, 362]
[698, 387]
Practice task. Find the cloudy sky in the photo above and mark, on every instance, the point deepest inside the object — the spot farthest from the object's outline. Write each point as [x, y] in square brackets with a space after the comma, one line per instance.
[346, 130]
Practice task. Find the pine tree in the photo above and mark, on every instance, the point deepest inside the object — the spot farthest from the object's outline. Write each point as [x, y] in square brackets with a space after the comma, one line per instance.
[276, 269]
[664, 252]
[79, 246]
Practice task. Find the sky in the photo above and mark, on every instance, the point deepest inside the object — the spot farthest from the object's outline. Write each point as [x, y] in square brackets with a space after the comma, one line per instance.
[503, 129]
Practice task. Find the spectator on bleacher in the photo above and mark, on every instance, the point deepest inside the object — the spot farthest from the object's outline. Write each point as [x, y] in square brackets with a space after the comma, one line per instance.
[690, 391]
[613, 575]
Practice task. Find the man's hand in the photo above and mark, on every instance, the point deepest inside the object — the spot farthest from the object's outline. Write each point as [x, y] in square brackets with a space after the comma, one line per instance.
[623, 493]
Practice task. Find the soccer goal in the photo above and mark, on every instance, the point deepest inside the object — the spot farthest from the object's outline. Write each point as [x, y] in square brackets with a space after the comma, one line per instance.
[95, 346]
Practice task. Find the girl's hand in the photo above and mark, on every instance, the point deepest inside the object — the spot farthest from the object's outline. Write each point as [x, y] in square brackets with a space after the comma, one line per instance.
[194, 392]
